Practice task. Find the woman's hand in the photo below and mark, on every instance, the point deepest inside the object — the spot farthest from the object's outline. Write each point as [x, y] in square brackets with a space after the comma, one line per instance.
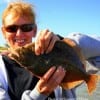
[50, 80]
[45, 41]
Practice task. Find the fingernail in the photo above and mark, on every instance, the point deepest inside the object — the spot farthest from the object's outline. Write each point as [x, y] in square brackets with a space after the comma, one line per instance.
[64, 70]
[42, 52]
[47, 52]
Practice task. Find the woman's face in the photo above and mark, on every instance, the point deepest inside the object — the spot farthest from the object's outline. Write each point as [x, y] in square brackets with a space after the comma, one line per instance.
[15, 36]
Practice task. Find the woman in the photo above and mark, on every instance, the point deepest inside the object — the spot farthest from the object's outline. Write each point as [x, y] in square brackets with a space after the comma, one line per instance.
[19, 27]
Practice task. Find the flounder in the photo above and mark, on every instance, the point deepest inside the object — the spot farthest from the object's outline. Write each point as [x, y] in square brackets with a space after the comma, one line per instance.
[64, 54]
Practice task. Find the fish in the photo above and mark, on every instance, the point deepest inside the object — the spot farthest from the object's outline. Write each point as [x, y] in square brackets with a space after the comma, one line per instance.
[65, 53]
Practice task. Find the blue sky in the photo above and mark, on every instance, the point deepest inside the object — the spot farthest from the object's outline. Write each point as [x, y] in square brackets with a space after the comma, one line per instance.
[65, 16]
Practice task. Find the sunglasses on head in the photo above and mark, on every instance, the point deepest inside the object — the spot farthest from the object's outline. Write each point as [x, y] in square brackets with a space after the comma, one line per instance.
[23, 28]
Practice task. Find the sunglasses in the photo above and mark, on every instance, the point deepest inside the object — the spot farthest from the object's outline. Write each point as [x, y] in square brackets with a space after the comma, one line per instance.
[23, 28]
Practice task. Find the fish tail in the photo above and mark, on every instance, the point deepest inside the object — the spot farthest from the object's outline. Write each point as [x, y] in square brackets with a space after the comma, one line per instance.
[91, 83]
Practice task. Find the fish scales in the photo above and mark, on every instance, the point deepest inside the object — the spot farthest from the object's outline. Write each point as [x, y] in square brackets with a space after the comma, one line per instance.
[62, 54]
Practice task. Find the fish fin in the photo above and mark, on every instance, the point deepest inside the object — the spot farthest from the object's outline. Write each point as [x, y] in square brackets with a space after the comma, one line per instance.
[91, 83]
[30, 46]
[70, 85]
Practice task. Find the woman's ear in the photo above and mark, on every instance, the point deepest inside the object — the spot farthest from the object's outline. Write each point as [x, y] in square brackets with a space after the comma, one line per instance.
[3, 31]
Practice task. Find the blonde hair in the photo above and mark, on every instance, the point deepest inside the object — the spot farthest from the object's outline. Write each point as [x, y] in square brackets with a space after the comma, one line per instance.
[20, 8]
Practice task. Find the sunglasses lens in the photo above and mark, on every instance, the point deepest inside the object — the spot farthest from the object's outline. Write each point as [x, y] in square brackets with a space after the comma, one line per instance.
[27, 27]
[12, 28]
[23, 28]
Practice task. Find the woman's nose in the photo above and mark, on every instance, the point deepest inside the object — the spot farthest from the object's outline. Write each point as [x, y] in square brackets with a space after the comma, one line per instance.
[18, 32]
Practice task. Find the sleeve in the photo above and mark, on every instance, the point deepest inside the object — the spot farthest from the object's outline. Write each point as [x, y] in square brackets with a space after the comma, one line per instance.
[33, 95]
[3, 82]
[3, 93]
[90, 45]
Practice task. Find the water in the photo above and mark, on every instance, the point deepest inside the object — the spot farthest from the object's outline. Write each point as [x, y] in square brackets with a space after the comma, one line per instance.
[82, 90]
[82, 93]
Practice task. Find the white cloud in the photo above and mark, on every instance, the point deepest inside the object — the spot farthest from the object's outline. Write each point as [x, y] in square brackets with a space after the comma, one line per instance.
[4, 1]
[7, 1]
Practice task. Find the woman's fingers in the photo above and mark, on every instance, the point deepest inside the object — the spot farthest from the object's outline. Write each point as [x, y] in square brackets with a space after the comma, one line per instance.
[51, 80]
[45, 41]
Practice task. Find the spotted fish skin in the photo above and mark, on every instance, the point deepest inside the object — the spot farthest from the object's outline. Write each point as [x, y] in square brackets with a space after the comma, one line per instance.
[62, 54]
